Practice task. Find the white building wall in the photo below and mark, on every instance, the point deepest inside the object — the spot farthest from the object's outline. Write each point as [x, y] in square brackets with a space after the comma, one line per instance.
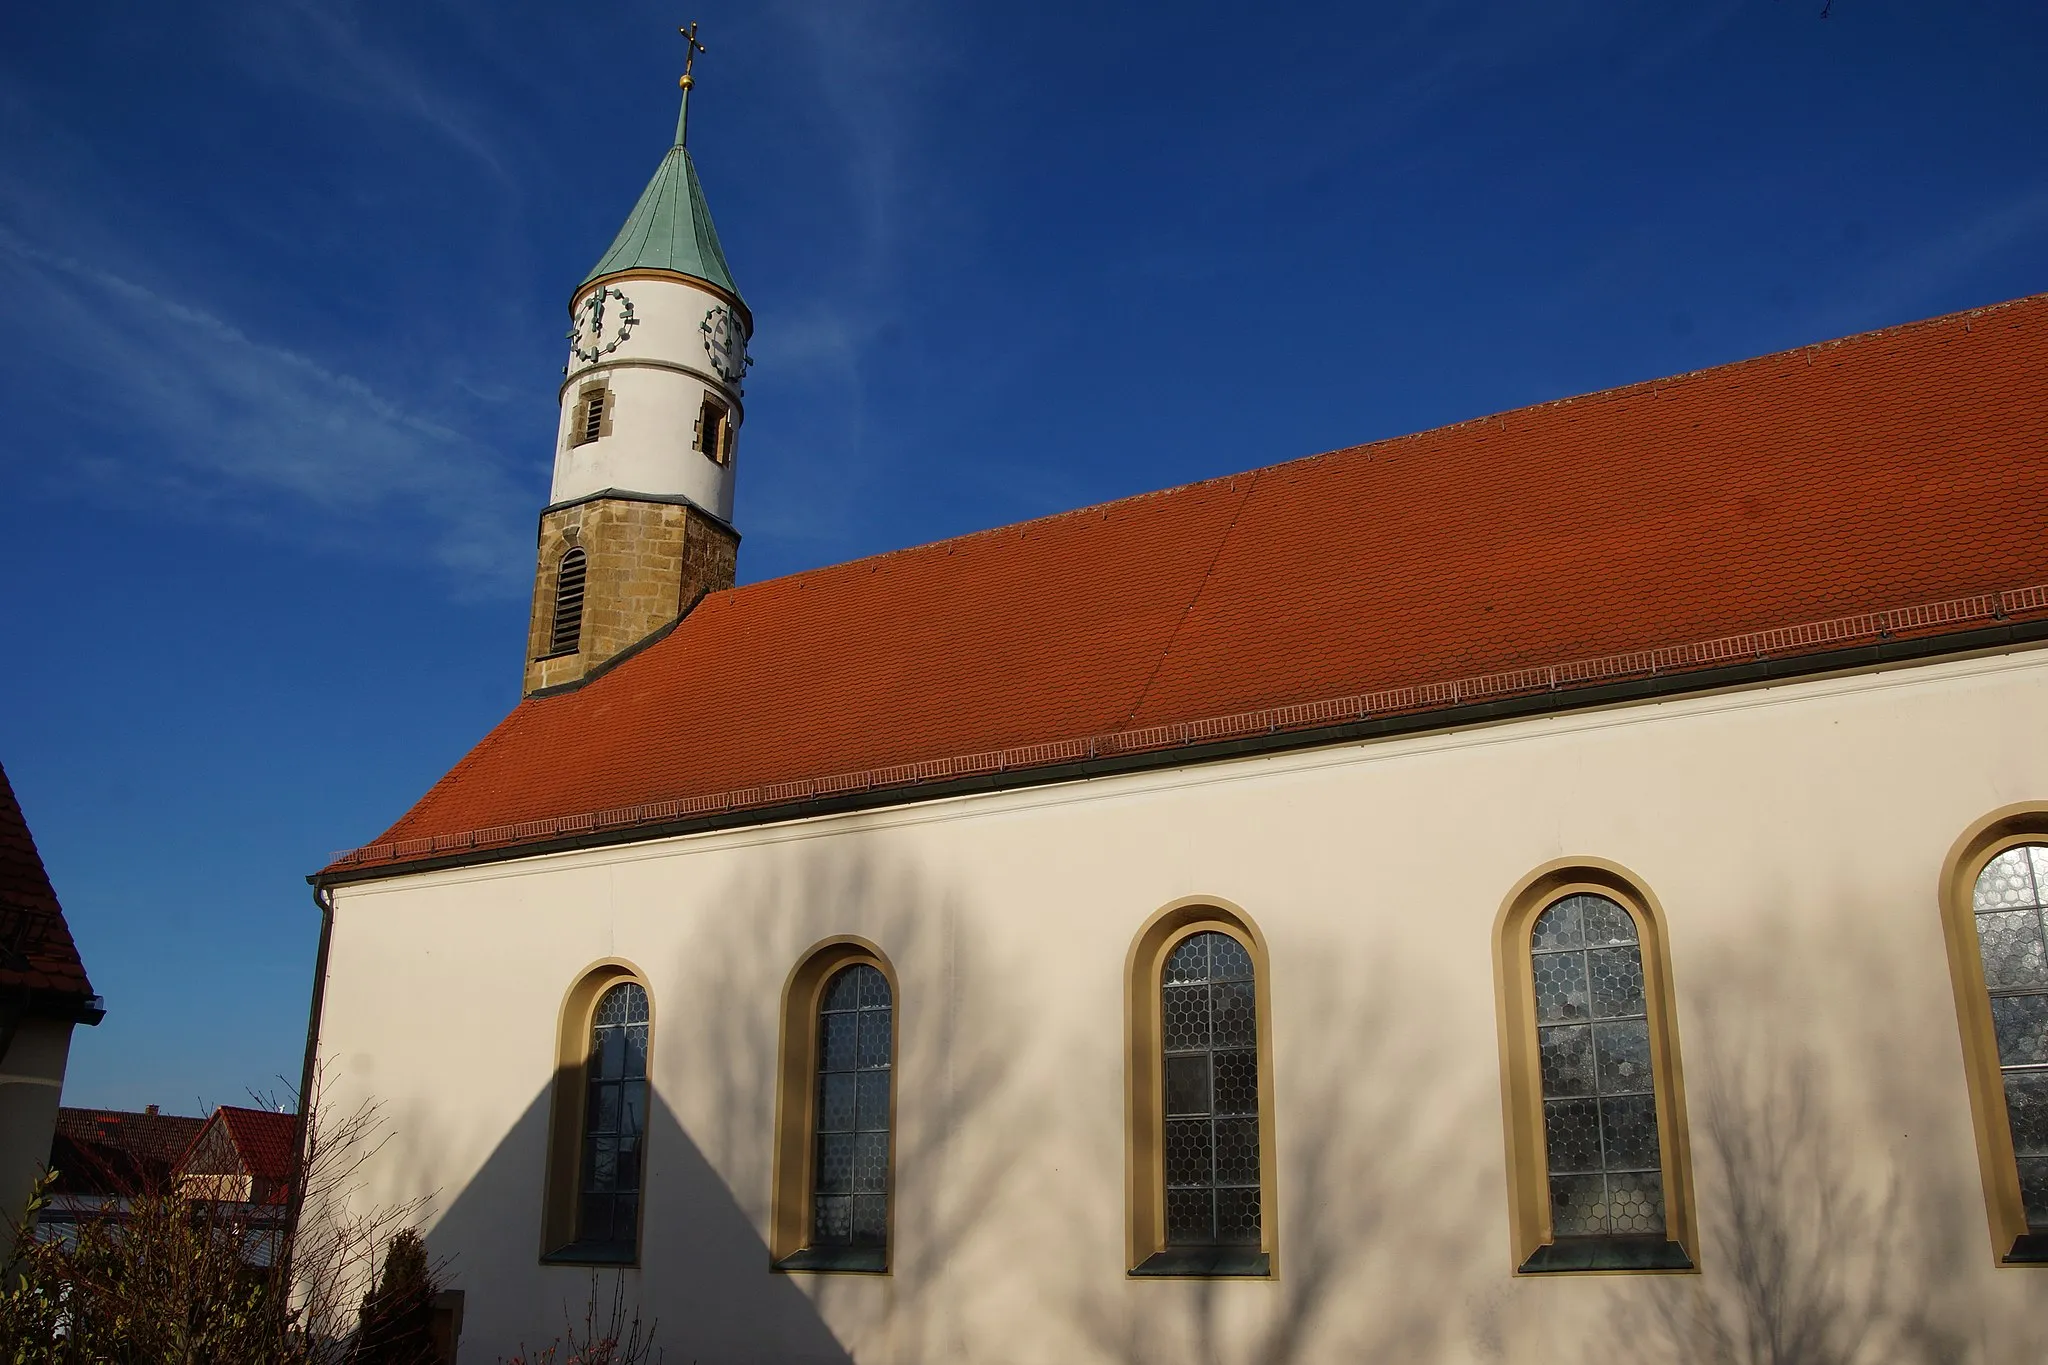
[659, 375]
[1793, 835]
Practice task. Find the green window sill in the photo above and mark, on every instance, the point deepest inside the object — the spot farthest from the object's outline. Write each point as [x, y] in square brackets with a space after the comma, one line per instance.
[591, 1253]
[868, 1260]
[1607, 1253]
[2029, 1248]
[1206, 1263]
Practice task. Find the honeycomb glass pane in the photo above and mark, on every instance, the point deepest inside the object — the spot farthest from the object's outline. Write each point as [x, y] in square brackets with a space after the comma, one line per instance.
[842, 992]
[1228, 960]
[1635, 1203]
[2026, 1107]
[629, 1162]
[1187, 1083]
[874, 987]
[1572, 1128]
[1237, 1217]
[1190, 959]
[2037, 854]
[870, 1163]
[870, 1219]
[602, 1114]
[1578, 1205]
[2010, 944]
[636, 1051]
[1628, 1131]
[834, 1174]
[633, 1108]
[2021, 1022]
[594, 1218]
[836, 1042]
[2007, 882]
[874, 1102]
[610, 1045]
[836, 1092]
[1561, 991]
[1616, 975]
[1188, 1152]
[1190, 1216]
[1237, 1082]
[1234, 1014]
[1606, 923]
[1184, 1012]
[831, 1220]
[1237, 1151]
[2034, 1191]
[612, 1007]
[1559, 927]
[1566, 1056]
[601, 1167]
[875, 1034]
[1622, 1052]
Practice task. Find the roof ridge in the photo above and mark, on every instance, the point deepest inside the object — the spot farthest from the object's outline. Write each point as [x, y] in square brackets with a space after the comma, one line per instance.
[1619, 391]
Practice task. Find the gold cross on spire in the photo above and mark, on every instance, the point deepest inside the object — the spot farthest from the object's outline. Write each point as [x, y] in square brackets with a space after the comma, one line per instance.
[691, 47]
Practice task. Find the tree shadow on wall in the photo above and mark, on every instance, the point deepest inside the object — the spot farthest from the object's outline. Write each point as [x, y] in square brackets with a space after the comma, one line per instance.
[1820, 1245]
[958, 1127]
[1385, 1171]
[704, 1265]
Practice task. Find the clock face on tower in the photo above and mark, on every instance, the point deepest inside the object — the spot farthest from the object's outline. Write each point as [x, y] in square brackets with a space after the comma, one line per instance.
[602, 324]
[725, 341]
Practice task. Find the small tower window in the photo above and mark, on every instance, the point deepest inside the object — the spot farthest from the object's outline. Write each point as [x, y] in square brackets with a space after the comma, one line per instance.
[714, 431]
[567, 631]
[592, 417]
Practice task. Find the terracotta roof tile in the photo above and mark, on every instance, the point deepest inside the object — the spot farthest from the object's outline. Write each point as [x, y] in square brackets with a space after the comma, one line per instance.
[36, 950]
[1882, 471]
[118, 1152]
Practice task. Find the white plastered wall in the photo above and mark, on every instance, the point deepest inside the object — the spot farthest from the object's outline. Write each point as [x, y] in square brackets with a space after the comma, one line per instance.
[1793, 835]
[658, 377]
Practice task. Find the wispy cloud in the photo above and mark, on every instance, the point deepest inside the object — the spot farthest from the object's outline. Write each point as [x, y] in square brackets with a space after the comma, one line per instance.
[187, 408]
[1916, 278]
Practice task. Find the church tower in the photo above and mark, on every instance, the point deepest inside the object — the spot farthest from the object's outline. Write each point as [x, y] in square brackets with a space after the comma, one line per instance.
[638, 526]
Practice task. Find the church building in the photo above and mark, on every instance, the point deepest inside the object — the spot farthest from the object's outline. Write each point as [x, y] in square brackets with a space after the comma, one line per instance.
[1566, 886]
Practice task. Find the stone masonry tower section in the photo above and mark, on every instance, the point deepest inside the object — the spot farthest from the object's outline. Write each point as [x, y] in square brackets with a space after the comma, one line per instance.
[638, 526]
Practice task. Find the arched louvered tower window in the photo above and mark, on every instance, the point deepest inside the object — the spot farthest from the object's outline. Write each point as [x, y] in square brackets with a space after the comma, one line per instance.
[568, 623]
[2009, 903]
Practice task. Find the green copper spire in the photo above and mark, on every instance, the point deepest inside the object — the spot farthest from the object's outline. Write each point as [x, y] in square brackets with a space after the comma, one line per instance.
[670, 228]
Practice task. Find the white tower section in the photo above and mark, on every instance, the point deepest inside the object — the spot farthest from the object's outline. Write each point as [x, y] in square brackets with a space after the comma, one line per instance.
[651, 401]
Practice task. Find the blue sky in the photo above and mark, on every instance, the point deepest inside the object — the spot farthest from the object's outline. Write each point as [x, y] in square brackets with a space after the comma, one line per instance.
[283, 287]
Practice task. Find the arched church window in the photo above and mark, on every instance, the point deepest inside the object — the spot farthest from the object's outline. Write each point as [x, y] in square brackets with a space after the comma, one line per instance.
[2009, 903]
[615, 1119]
[1198, 1103]
[1595, 1121]
[834, 1156]
[567, 630]
[597, 1135]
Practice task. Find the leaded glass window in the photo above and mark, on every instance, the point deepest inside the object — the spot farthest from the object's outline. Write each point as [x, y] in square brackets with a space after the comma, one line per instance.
[1209, 1024]
[1599, 1094]
[850, 1172]
[614, 1119]
[2011, 902]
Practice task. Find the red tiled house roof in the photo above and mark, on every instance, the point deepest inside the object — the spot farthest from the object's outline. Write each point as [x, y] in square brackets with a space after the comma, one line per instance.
[116, 1152]
[252, 1144]
[1890, 470]
[39, 963]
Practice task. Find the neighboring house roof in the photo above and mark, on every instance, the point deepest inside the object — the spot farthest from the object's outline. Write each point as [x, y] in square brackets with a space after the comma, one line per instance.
[1784, 505]
[670, 227]
[235, 1141]
[36, 950]
[117, 1152]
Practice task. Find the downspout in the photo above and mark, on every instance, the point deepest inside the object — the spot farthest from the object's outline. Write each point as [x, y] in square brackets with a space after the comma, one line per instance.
[295, 1200]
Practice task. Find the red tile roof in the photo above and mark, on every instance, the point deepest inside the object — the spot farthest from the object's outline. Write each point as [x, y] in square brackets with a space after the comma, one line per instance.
[118, 1152]
[266, 1141]
[36, 951]
[1889, 470]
